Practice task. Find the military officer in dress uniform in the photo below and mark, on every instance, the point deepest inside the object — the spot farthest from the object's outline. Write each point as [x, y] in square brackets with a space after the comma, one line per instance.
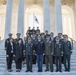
[37, 30]
[18, 38]
[67, 52]
[34, 38]
[61, 40]
[43, 37]
[58, 50]
[49, 50]
[46, 33]
[19, 52]
[29, 31]
[10, 53]
[29, 47]
[7, 40]
[19, 55]
[60, 35]
[39, 52]
[33, 30]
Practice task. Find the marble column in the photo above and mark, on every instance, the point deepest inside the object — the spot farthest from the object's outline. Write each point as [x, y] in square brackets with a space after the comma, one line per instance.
[75, 18]
[46, 5]
[14, 18]
[8, 18]
[20, 26]
[58, 15]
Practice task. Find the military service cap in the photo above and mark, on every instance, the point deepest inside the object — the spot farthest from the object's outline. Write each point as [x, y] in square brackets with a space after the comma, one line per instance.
[10, 34]
[18, 34]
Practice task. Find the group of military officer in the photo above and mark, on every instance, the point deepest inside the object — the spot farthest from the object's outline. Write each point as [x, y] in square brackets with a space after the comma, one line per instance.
[40, 45]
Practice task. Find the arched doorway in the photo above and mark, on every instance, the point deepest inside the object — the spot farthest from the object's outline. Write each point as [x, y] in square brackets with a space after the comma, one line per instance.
[34, 17]
[68, 21]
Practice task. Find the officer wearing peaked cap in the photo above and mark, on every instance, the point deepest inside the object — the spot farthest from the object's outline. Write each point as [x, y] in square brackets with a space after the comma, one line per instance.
[29, 47]
[67, 50]
[18, 38]
[58, 51]
[9, 47]
[49, 50]
[7, 40]
[19, 52]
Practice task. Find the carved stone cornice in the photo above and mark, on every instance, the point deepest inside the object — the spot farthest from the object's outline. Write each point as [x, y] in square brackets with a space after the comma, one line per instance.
[4, 2]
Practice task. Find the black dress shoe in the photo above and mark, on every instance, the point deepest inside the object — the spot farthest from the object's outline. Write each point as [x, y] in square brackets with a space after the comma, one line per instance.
[40, 70]
[46, 70]
[9, 70]
[51, 70]
[68, 70]
[27, 71]
[60, 71]
[56, 70]
[18, 70]
[65, 69]
[30, 70]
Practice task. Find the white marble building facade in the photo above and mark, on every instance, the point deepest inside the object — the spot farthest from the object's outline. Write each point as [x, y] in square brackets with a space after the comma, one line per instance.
[54, 15]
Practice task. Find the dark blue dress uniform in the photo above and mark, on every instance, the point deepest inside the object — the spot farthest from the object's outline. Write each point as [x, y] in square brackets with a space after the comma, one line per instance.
[29, 46]
[10, 52]
[67, 52]
[58, 49]
[17, 39]
[6, 42]
[39, 51]
[29, 32]
[19, 54]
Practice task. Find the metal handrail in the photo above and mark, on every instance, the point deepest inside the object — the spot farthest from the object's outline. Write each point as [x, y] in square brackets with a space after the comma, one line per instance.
[72, 40]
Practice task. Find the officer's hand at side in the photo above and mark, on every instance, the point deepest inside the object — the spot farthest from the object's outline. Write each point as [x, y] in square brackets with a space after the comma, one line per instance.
[71, 52]
[7, 55]
[52, 53]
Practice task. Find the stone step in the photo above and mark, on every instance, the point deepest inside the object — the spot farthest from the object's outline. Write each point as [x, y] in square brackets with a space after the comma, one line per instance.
[35, 66]
[36, 73]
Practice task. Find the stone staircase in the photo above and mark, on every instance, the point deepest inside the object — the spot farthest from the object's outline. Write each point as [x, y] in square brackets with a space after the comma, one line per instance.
[3, 70]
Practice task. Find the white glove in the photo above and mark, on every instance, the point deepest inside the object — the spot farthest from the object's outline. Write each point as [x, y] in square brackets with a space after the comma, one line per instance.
[13, 55]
